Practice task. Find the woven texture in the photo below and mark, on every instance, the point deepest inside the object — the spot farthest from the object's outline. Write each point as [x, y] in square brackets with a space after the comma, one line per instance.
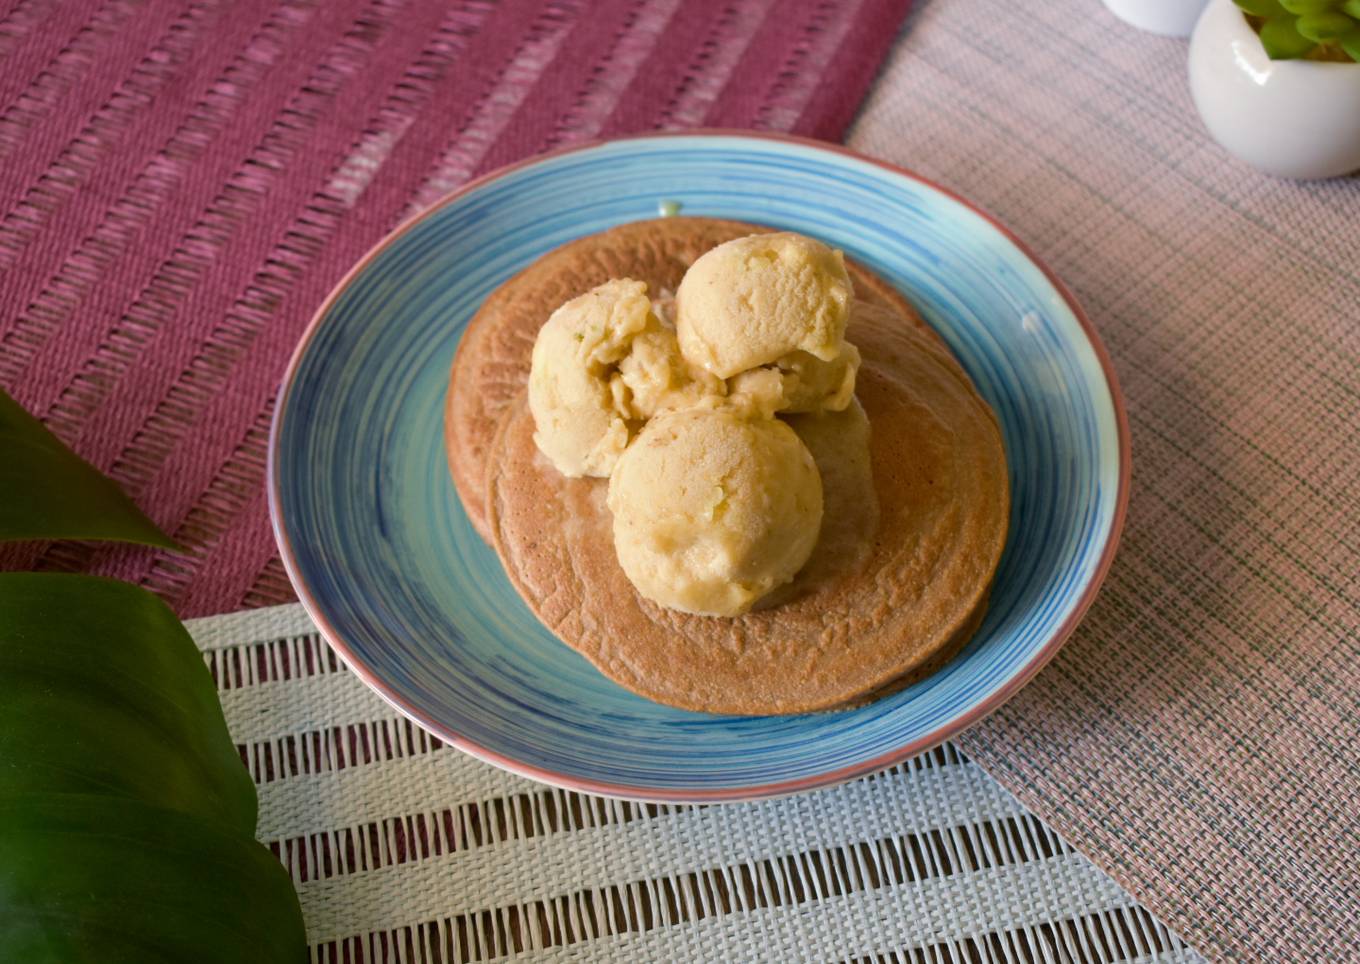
[403, 849]
[181, 184]
[1200, 734]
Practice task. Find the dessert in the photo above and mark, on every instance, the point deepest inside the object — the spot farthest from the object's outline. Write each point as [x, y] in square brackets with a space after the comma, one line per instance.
[712, 509]
[895, 586]
[799, 382]
[753, 300]
[783, 500]
[491, 368]
[603, 363]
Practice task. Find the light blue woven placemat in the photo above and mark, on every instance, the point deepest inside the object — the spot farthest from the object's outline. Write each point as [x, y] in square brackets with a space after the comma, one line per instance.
[404, 849]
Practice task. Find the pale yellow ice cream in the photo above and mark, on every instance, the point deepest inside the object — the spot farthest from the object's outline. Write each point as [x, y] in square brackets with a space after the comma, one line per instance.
[755, 300]
[658, 378]
[798, 382]
[713, 509]
[602, 364]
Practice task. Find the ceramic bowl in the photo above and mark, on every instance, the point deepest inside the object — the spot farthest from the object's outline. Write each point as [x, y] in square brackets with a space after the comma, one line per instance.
[1290, 118]
[1170, 18]
[382, 555]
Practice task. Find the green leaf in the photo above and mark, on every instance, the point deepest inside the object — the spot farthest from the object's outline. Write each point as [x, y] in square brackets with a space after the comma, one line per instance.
[1322, 27]
[91, 878]
[1351, 44]
[126, 817]
[1302, 7]
[103, 691]
[1351, 8]
[1261, 8]
[1282, 41]
[49, 492]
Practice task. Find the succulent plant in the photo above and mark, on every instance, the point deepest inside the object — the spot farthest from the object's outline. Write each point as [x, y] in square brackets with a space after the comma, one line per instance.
[1306, 29]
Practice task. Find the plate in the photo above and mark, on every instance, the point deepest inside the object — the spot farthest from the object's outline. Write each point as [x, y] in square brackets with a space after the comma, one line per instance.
[383, 557]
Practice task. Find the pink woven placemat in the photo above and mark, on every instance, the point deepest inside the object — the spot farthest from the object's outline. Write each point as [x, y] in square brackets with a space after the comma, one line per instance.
[182, 182]
[1199, 735]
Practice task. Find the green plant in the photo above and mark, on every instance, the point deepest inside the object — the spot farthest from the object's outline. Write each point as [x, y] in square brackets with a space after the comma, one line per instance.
[127, 822]
[1306, 29]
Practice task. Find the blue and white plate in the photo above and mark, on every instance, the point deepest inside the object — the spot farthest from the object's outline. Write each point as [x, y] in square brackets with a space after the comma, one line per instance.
[383, 556]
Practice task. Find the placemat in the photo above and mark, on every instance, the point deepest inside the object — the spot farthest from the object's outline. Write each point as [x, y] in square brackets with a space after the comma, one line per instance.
[404, 849]
[182, 182]
[1199, 736]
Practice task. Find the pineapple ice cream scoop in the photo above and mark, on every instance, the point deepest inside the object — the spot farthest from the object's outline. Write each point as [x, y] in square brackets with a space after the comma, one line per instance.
[752, 301]
[602, 363]
[713, 509]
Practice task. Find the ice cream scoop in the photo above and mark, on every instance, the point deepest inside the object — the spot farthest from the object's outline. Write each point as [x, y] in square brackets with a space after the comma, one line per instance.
[753, 300]
[713, 509]
[799, 382]
[602, 363]
[657, 376]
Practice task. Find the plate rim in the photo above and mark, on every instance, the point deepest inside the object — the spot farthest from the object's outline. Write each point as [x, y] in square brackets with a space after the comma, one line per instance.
[716, 794]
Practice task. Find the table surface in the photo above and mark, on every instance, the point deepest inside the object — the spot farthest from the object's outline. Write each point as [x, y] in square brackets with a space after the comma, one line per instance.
[1199, 735]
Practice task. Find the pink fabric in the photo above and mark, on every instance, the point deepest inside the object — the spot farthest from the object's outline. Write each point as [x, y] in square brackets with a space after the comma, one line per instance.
[1199, 734]
[181, 184]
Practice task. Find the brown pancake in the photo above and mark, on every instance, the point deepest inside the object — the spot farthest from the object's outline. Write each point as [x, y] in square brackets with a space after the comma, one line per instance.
[867, 615]
[926, 668]
[492, 364]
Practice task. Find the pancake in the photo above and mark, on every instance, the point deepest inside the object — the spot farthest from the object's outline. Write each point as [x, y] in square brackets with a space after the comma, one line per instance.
[492, 363]
[872, 611]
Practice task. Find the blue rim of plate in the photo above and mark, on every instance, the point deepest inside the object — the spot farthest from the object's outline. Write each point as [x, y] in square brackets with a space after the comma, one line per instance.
[1018, 678]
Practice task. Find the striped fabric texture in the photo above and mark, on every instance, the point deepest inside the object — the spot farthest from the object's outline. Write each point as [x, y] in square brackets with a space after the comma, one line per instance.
[403, 849]
[1199, 736]
[182, 181]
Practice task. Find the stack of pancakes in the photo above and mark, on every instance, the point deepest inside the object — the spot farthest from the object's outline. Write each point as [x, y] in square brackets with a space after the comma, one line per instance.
[898, 581]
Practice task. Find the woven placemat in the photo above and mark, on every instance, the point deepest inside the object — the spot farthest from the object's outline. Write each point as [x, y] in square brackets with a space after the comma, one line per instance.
[182, 182]
[404, 849]
[1199, 736]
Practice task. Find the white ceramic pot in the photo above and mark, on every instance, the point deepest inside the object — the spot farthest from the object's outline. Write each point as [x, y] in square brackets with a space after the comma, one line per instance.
[1173, 18]
[1291, 118]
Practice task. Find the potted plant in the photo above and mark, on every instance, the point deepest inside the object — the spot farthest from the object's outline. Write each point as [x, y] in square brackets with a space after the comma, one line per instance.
[1278, 83]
